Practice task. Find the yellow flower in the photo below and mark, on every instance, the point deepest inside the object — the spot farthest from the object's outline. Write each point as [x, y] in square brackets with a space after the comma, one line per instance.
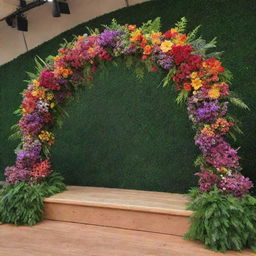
[52, 105]
[35, 83]
[40, 93]
[222, 169]
[155, 37]
[174, 30]
[193, 75]
[49, 96]
[214, 92]
[46, 136]
[196, 83]
[166, 46]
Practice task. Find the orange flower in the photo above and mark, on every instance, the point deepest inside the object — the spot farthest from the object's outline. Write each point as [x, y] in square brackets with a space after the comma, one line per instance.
[147, 50]
[135, 36]
[131, 27]
[180, 39]
[196, 83]
[187, 87]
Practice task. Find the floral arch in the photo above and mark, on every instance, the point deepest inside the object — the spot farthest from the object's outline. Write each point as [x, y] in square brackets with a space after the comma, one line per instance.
[198, 76]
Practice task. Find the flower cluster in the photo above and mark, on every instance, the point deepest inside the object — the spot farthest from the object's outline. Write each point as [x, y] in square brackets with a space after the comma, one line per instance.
[195, 75]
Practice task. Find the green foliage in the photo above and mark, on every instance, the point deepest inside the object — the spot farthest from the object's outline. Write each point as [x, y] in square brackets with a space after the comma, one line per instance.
[22, 203]
[182, 96]
[182, 24]
[151, 26]
[223, 222]
[193, 34]
[201, 46]
[238, 102]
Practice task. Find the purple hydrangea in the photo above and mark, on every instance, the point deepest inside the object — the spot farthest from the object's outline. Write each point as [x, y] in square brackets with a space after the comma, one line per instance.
[31, 124]
[14, 174]
[236, 184]
[109, 38]
[26, 159]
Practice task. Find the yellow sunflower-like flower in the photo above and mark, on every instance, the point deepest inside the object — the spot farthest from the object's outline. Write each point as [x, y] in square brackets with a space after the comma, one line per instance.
[214, 92]
[166, 46]
[196, 83]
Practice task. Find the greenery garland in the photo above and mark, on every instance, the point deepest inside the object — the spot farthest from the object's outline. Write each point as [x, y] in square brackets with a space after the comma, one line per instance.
[201, 81]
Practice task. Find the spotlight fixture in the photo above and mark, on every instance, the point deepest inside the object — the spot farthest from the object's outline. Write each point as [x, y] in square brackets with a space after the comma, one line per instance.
[23, 3]
[64, 7]
[55, 9]
[22, 23]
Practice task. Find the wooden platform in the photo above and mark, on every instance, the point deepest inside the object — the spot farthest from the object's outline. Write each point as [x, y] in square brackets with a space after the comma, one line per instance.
[54, 238]
[129, 209]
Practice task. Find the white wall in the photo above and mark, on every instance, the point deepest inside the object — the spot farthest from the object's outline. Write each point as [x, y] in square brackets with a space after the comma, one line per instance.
[42, 26]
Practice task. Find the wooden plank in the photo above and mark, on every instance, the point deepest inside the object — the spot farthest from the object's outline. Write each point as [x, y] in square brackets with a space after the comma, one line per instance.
[52, 238]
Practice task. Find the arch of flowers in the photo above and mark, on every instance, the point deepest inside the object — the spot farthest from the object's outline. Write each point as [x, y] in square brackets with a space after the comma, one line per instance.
[198, 76]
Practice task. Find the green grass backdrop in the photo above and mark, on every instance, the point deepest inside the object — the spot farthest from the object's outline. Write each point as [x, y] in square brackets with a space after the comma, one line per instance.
[130, 134]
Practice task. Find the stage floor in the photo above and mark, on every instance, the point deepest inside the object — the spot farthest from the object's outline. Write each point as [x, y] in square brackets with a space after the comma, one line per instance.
[55, 238]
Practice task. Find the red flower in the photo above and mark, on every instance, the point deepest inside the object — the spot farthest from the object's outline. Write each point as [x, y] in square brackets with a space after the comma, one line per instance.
[48, 80]
[187, 87]
[153, 69]
[181, 53]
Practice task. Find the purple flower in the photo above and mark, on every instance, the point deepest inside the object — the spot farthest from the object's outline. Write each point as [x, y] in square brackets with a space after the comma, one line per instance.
[205, 111]
[109, 38]
[206, 142]
[208, 111]
[14, 174]
[31, 124]
[236, 184]
[222, 155]
[207, 180]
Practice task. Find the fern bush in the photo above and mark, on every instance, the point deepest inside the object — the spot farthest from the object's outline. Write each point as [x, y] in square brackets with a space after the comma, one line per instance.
[22, 203]
[223, 222]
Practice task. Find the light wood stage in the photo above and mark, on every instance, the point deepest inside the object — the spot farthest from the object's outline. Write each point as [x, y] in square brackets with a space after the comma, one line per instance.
[102, 221]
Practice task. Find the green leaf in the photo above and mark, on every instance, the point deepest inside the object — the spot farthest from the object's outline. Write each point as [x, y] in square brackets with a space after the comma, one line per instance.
[182, 24]
[238, 102]
[182, 96]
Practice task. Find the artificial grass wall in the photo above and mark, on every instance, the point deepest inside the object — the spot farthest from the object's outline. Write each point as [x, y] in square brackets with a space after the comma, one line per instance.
[132, 135]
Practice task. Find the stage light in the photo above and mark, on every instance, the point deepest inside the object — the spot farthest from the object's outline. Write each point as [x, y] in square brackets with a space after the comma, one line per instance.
[64, 7]
[55, 9]
[23, 3]
[22, 23]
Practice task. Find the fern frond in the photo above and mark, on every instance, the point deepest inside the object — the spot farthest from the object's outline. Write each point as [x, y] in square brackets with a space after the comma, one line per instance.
[182, 24]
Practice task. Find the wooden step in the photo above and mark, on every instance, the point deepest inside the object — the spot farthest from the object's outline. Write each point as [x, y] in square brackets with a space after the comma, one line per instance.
[56, 238]
[130, 209]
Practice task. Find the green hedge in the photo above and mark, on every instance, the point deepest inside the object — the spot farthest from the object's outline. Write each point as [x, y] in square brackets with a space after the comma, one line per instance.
[122, 133]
